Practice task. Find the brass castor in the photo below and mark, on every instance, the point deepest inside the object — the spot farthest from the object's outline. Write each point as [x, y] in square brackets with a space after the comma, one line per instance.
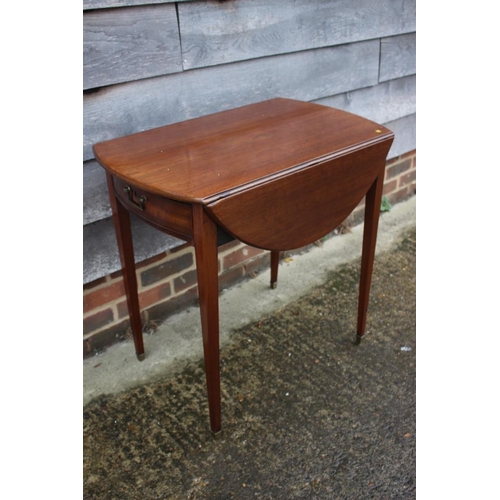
[141, 357]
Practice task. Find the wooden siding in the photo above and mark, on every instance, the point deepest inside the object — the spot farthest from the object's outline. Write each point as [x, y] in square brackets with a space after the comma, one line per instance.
[404, 135]
[121, 45]
[137, 106]
[248, 29]
[397, 56]
[382, 103]
[105, 4]
[100, 251]
[149, 63]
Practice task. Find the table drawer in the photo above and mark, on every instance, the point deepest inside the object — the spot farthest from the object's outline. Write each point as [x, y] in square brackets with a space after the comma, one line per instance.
[171, 216]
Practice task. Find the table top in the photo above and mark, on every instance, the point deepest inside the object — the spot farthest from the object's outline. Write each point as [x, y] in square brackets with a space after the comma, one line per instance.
[205, 159]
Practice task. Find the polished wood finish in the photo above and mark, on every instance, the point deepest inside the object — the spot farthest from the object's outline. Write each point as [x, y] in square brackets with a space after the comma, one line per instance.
[277, 175]
[260, 216]
[372, 213]
[275, 260]
[205, 244]
[173, 217]
[208, 158]
[121, 220]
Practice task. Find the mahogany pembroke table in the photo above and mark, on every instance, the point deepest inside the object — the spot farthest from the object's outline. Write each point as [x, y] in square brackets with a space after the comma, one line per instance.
[277, 175]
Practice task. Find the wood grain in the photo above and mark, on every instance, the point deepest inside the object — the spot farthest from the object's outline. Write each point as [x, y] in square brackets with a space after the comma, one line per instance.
[223, 32]
[121, 45]
[124, 109]
[405, 135]
[123, 230]
[170, 216]
[105, 4]
[95, 193]
[205, 244]
[381, 103]
[215, 156]
[100, 253]
[398, 56]
[295, 210]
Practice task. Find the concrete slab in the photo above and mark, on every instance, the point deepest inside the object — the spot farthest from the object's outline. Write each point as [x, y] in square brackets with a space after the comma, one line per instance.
[178, 340]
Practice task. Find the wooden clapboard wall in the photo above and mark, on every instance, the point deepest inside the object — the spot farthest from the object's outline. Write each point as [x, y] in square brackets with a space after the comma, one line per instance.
[149, 63]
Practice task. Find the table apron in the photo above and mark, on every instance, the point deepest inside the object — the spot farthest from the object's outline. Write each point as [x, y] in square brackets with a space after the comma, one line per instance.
[172, 217]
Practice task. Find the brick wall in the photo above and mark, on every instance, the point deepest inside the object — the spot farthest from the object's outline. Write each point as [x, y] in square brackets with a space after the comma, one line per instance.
[167, 282]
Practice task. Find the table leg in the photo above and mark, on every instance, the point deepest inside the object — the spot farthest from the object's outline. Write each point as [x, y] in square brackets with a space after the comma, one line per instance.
[205, 244]
[275, 259]
[372, 213]
[121, 220]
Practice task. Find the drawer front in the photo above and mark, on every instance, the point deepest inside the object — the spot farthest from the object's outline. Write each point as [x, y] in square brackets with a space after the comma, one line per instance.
[171, 216]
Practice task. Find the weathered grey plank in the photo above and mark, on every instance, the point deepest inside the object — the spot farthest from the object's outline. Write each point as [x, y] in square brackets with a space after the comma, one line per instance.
[398, 56]
[220, 32]
[100, 252]
[381, 103]
[136, 106]
[121, 45]
[95, 193]
[104, 4]
[405, 135]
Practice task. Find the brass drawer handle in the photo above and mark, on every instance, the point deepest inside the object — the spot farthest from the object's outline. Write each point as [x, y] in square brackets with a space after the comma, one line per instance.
[142, 199]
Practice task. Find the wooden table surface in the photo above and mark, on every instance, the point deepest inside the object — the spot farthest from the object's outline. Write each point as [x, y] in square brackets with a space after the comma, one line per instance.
[204, 159]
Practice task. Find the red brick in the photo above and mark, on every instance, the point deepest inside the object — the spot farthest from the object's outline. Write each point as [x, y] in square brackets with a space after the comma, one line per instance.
[166, 269]
[185, 281]
[229, 246]
[154, 295]
[174, 304]
[97, 321]
[123, 311]
[229, 278]
[409, 154]
[391, 186]
[398, 168]
[94, 284]
[151, 260]
[407, 178]
[240, 256]
[392, 161]
[103, 296]
[399, 195]
[258, 264]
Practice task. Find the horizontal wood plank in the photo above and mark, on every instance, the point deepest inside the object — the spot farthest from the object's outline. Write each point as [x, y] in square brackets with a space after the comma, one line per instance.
[124, 109]
[95, 193]
[121, 45]
[405, 135]
[221, 32]
[398, 56]
[105, 4]
[381, 103]
[100, 251]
